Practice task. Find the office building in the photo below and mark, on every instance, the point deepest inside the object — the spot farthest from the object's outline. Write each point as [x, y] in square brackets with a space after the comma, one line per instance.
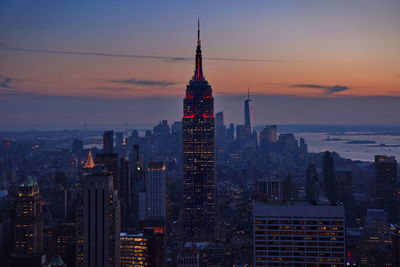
[248, 119]
[328, 172]
[138, 188]
[386, 185]
[268, 135]
[119, 139]
[125, 188]
[312, 183]
[199, 207]
[77, 145]
[156, 190]
[396, 245]
[28, 219]
[98, 221]
[134, 250]
[108, 142]
[298, 234]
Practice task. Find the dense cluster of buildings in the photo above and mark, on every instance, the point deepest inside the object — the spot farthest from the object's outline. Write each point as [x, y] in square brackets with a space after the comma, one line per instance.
[198, 193]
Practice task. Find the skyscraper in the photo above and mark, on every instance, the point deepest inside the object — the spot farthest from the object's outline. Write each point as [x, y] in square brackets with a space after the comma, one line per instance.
[156, 190]
[198, 214]
[298, 234]
[28, 219]
[134, 250]
[328, 172]
[248, 115]
[98, 221]
[108, 142]
[386, 182]
[312, 183]
[125, 188]
[119, 138]
[220, 130]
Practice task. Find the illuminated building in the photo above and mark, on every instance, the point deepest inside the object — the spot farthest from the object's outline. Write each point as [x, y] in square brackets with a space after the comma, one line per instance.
[298, 234]
[396, 245]
[156, 190]
[65, 241]
[199, 208]
[386, 184]
[28, 219]
[134, 250]
[374, 246]
[98, 221]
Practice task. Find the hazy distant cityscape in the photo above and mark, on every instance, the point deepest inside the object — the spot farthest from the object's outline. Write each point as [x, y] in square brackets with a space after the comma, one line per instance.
[287, 154]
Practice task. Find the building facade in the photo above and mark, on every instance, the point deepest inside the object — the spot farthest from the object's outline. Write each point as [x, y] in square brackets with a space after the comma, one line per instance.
[28, 219]
[156, 190]
[98, 222]
[298, 234]
[386, 185]
[198, 213]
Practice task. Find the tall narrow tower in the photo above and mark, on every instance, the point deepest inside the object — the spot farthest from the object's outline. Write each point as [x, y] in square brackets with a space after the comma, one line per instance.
[248, 114]
[28, 219]
[198, 215]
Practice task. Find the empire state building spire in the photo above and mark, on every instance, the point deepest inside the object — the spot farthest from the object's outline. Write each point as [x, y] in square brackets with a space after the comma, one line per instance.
[198, 134]
[198, 73]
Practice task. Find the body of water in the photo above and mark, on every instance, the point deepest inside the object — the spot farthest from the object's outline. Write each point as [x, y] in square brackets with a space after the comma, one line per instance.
[356, 146]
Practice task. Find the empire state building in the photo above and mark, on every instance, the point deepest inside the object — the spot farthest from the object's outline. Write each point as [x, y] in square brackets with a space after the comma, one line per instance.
[199, 208]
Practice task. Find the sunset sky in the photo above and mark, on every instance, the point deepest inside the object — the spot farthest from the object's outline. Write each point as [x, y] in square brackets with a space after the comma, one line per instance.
[313, 62]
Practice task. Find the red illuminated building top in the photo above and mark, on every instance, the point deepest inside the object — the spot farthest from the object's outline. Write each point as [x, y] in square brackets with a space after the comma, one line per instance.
[198, 73]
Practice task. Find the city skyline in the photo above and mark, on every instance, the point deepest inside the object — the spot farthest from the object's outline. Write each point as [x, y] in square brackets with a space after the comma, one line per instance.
[298, 59]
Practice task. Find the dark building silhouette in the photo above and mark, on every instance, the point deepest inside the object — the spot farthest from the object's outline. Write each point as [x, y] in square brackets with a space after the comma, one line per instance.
[312, 183]
[199, 208]
[328, 173]
[125, 188]
[98, 221]
[137, 184]
[77, 145]
[248, 120]
[386, 184]
[119, 138]
[108, 142]
[230, 133]
[28, 233]
[396, 245]
[220, 131]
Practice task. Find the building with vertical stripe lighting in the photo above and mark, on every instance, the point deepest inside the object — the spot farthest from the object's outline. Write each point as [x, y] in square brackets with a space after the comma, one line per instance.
[198, 214]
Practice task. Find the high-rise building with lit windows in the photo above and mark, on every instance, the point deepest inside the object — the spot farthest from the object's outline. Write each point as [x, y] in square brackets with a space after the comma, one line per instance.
[28, 219]
[156, 190]
[134, 250]
[298, 234]
[198, 213]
